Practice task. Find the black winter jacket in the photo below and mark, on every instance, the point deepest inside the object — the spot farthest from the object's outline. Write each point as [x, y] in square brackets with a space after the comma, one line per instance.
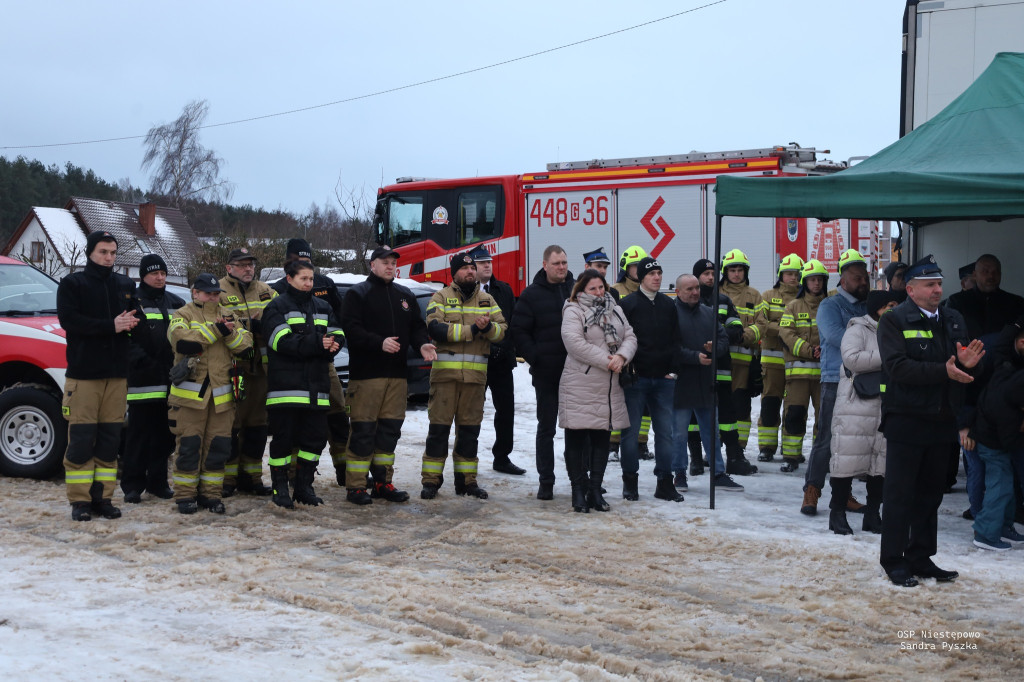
[537, 327]
[986, 314]
[324, 288]
[697, 325]
[372, 311]
[1001, 408]
[87, 303]
[150, 355]
[914, 351]
[657, 333]
[503, 353]
[295, 323]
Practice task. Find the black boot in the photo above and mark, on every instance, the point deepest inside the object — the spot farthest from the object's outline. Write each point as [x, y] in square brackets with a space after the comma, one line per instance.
[598, 465]
[735, 463]
[579, 499]
[837, 522]
[576, 445]
[766, 455]
[106, 509]
[546, 491]
[252, 486]
[80, 511]
[471, 489]
[629, 487]
[279, 481]
[872, 518]
[304, 474]
[666, 490]
[696, 458]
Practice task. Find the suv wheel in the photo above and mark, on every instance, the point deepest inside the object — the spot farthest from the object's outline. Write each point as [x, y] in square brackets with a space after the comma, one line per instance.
[33, 433]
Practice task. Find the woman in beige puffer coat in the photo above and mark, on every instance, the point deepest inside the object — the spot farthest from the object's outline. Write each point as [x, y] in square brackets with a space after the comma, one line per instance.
[858, 448]
[599, 343]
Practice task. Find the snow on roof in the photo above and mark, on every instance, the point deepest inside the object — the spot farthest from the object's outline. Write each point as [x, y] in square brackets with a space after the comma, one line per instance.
[62, 228]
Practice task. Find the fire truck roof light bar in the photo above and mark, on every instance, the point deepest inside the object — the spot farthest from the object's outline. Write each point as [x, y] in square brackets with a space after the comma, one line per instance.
[792, 154]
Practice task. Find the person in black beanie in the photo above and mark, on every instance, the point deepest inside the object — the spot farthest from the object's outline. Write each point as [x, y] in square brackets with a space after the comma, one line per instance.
[148, 440]
[96, 308]
[894, 279]
[326, 290]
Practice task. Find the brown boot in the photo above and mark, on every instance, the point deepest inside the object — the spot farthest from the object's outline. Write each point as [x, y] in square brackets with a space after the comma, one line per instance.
[853, 506]
[810, 503]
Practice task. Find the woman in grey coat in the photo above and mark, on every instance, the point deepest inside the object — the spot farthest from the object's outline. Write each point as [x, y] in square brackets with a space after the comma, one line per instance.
[858, 448]
[599, 343]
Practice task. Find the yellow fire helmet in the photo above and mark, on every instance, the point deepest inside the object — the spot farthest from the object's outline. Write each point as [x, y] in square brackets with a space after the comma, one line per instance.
[631, 256]
[812, 268]
[735, 257]
[849, 257]
[791, 263]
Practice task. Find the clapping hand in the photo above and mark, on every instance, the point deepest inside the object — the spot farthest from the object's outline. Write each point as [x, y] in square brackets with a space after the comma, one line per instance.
[971, 354]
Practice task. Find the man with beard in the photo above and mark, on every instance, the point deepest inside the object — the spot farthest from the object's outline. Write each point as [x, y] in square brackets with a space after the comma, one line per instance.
[834, 313]
[464, 322]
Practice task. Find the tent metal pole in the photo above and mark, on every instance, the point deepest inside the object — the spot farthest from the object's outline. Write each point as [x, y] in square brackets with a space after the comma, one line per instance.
[714, 356]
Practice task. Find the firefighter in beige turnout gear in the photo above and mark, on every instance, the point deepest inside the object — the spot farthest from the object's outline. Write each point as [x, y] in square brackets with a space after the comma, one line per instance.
[773, 360]
[798, 329]
[206, 337]
[246, 298]
[463, 321]
[735, 284]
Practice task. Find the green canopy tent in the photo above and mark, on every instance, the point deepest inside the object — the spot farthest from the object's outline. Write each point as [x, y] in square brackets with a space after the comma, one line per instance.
[965, 163]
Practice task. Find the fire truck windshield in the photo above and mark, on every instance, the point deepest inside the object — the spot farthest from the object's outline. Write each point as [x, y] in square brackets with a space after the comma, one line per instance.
[399, 219]
[26, 291]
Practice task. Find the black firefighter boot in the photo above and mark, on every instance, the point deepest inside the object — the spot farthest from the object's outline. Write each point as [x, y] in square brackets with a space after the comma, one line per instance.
[629, 487]
[735, 463]
[279, 481]
[872, 518]
[471, 489]
[304, 472]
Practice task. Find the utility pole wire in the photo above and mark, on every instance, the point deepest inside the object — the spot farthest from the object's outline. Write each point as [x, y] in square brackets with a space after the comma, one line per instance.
[390, 90]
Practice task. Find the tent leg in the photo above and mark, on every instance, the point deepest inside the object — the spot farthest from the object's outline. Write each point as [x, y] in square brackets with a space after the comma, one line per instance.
[714, 354]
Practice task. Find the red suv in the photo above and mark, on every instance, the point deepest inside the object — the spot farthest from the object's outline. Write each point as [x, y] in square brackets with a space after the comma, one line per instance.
[33, 434]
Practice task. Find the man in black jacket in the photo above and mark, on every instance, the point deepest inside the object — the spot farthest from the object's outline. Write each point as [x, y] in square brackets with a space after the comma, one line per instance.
[326, 290]
[653, 318]
[381, 319]
[149, 441]
[694, 391]
[499, 366]
[96, 307]
[537, 331]
[926, 360]
[986, 308]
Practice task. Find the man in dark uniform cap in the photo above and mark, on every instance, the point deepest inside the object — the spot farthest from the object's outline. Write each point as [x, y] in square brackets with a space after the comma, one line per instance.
[926, 360]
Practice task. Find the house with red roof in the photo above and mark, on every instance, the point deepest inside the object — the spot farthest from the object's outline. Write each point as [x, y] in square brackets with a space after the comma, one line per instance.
[53, 239]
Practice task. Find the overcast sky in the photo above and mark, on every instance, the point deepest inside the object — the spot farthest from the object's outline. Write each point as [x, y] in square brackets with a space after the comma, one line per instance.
[735, 75]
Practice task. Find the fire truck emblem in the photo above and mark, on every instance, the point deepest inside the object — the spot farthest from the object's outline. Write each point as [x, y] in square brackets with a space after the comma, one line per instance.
[792, 229]
[440, 216]
[649, 224]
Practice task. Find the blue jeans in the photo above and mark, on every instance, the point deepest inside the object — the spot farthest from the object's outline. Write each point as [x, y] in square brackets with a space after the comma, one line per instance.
[657, 394]
[708, 434]
[975, 480]
[997, 508]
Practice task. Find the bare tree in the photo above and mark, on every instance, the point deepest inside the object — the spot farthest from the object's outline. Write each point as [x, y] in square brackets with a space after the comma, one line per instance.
[359, 231]
[182, 167]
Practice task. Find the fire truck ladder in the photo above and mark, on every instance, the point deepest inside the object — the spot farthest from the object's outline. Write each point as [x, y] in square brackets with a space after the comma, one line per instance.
[792, 155]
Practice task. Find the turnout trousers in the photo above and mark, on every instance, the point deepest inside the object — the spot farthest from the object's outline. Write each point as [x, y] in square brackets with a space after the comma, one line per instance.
[376, 408]
[94, 409]
[147, 447]
[298, 431]
[741, 400]
[462, 403]
[249, 431]
[768, 422]
[203, 445]
[799, 394]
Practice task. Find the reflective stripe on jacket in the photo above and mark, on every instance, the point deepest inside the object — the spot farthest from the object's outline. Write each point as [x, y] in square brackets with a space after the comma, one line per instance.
[462, 347]
[211, 378]
[798, 330]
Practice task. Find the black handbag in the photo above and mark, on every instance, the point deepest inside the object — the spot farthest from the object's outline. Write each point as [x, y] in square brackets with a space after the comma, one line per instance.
[628, 375]
[867, 385]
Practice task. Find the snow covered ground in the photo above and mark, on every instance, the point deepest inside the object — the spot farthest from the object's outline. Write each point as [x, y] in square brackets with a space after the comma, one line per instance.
[507, 588]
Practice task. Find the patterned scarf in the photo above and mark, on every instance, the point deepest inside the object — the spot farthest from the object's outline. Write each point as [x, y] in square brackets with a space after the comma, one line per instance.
[601, 314]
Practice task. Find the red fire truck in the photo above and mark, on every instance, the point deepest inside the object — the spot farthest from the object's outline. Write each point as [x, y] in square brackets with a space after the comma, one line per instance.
[664, 204]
